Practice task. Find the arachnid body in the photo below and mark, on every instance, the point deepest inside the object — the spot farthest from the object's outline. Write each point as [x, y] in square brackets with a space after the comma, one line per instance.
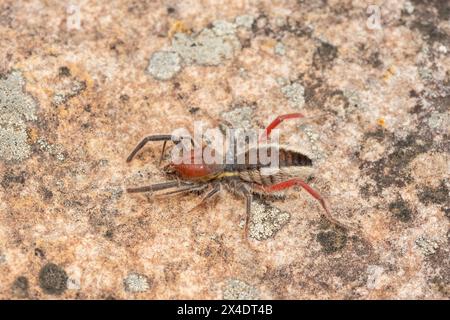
[245, 179]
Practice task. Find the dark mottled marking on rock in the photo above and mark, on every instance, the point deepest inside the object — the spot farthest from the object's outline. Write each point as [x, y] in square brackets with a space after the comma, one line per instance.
[279, 278]
[47, 194]
[73, 203]
[438, 103]
[427, 18]
[246, 43]
[439, 195]
[441, 285]
[441, 103]
[38, 252]
[335, 99]
[361, 246]
[193, 110]
[430, 31]
[53, 279]
[88, 108]
[401, 210]
[297, 28]
[416, 109]
[324, 55]
[439, 263]
[332, 240]
[109, 234]
[64, 71]
[379, 134]
[392, 169]
[318, 95]
[20, 287]
[375, 61]
[413, 94]
[255, 26]
[10, 178]
[124, 98]
[354, 272]
[442, 7]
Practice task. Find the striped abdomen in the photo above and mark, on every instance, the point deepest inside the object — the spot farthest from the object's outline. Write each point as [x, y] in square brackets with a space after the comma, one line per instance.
[291, 164]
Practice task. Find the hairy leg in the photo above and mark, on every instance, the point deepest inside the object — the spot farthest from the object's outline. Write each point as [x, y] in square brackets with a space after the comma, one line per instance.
[155, 187]
[316, 195]
[213, 192]
[157, 137]
[248, 206]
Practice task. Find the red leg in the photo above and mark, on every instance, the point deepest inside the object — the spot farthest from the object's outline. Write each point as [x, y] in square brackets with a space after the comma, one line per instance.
[311, 191]
[277, 121]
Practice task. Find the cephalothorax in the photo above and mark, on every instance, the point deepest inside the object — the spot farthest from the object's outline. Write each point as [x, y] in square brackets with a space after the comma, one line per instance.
[245, 179]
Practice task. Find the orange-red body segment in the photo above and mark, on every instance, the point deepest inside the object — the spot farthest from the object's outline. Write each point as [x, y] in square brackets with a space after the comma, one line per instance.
[196, 171]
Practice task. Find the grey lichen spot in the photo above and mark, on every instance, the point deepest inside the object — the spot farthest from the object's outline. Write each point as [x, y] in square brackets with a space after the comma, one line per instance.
[136, 282]
[208, 48]
[280, 22]
[280, 49]
[222, 27]
[20, 287]
[425, 73]
[13, 138]
[266, 221]
[238, 117]
[408, 7]
[73, 284]
[54, 150]
[442, 49]
[353, 98]
[53, 279]
[16, 107]
[439, 121]
[426, 246]
[245, 21]
[374, 275]
[295, 93]
[13, 100]
[282, 81]
[164, 65]
[239, 290]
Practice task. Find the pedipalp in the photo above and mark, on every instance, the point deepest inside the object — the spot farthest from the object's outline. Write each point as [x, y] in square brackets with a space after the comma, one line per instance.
[158, 137]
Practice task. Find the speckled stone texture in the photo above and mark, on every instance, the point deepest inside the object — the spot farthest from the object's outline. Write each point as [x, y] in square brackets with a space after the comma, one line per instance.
[76, 97]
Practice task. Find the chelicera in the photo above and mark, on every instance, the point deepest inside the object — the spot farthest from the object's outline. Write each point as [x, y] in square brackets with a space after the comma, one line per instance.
[245, 180]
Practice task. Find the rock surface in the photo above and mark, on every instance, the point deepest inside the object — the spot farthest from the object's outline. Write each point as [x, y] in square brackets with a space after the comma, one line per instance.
[80, 86]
